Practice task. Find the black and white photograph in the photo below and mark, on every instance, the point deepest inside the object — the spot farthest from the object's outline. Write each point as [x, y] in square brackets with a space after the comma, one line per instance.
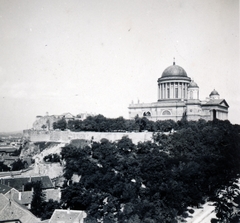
[119, 111]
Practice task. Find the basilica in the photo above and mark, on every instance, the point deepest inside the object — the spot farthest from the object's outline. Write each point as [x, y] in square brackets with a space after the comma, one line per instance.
[178, 96]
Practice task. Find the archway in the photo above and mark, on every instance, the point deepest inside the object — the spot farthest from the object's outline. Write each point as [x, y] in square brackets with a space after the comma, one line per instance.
[148, 113]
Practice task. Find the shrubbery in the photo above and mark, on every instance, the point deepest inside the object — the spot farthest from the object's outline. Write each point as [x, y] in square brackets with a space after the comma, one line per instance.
[4, 167]
[100, 123]
[52, 158]
[19, 165]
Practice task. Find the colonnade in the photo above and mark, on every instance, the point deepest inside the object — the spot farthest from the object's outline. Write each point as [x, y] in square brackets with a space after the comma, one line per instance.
[172, 90]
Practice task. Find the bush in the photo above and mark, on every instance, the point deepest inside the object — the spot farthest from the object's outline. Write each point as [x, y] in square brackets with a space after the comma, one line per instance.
[52, 158]
[4, 167]
[19, 165]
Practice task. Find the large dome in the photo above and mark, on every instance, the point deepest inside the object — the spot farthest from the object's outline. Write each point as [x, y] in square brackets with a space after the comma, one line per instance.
[174, 71]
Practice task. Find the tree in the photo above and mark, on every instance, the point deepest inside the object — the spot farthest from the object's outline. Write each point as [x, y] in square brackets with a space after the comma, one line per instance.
[60, 124]
[44, 127]
[141, 122]
[53, 158]
[227, 203]
[4, 167]
[49, 207]
[19, 165]
[37, 204]
[154, 181]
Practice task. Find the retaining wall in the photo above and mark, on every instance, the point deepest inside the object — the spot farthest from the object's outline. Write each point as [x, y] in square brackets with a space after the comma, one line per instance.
[67, 136]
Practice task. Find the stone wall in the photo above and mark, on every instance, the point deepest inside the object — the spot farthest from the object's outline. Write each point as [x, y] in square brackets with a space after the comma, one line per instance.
[45, 120]
[67, 136]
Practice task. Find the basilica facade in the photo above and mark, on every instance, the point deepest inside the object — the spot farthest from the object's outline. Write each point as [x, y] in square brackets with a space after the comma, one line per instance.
[178, 96]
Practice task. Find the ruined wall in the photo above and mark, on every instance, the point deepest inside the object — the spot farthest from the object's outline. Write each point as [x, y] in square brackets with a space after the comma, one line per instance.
[45, 120]
[67, 136]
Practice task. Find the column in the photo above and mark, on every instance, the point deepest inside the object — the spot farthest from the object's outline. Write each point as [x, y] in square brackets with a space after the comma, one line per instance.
[178, 89]
[184, 96]
[168, 90]
[170, 87]
[162, 91]
[160, 88]
[165, 90]
[186, 90]
[174, 90]
[182, 90]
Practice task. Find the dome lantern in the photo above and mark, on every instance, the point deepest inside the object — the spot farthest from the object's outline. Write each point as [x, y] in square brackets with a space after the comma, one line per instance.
[214, 95]
[193, 84]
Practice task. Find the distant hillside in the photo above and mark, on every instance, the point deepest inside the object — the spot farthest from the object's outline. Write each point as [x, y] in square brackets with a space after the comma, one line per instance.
[12, 134]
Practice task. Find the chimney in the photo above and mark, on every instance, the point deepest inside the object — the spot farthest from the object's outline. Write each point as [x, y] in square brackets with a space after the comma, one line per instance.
[68, 211]
[20, 196]
[59, 193]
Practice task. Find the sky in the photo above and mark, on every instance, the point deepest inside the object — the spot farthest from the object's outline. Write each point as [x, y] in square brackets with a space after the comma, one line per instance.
[98, 56]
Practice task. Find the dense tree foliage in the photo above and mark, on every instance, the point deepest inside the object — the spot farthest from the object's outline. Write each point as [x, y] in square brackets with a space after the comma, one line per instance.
[19, 165]
[4, 167]
[37, 204]
[52, 158]
[154, 181]
[48, 208]
[100, 123]
[60, 124]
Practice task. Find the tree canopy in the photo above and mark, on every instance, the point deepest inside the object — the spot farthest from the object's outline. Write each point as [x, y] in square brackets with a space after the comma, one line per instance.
[154, 181]
[99, 123]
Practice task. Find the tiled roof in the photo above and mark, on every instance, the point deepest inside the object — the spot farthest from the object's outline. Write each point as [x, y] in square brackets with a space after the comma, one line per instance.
[54, 194]
[44, 221]
[4, 189]
[7, 149]
[18, 183]
[10, 210]
[24, 197]
[217, 102]
[67, 216]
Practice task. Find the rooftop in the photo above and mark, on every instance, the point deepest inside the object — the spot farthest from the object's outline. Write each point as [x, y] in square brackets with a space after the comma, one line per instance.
[18, 183]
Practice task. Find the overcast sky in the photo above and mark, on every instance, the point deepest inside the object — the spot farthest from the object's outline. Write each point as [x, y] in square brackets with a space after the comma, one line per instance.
[97, 56]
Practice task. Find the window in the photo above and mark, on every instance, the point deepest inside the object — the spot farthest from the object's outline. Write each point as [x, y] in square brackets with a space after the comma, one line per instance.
[191, 94]
[146, 113]
[166, 112]
[176, 92]
[168, 93]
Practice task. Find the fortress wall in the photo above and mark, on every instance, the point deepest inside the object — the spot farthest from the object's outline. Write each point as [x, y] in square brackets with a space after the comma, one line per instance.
[67, 136]
[36, 135]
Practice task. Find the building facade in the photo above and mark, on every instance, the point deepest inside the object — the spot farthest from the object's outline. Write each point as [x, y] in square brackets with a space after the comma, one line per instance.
[178, 95]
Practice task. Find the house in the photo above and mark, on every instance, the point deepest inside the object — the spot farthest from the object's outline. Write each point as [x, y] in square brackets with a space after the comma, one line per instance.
[23, 198]
[4, 189]
[11, 211]
[53, 194]
[67, 216]
[19, 182]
